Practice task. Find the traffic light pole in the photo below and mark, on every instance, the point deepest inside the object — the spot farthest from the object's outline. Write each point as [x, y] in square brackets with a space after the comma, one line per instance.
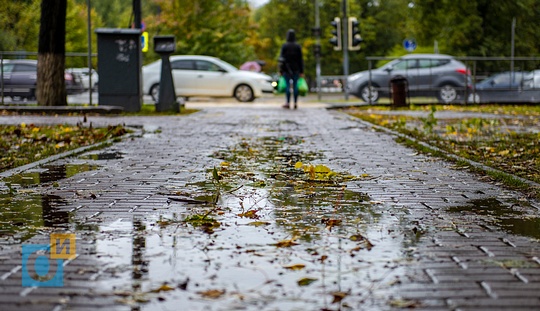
[345, 44]
[318, 54]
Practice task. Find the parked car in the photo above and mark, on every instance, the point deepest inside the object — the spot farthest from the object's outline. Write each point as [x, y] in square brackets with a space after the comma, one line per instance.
[426, 75]
[85, 74]
[505, 87]
[207, 76]
[20, 76]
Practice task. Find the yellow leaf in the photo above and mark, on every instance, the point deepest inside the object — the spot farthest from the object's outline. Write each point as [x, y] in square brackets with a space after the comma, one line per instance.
[504, 152]
[212, 293]
[295, 267]
[225, 164]
[163, 288]
[298, 165]
[322, 169]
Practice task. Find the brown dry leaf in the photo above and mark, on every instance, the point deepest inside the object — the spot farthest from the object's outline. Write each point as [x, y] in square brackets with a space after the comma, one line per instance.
[295, 267]
[338, 296]
[286, 243]
[212, 293]
[250, 214]
[330, 222]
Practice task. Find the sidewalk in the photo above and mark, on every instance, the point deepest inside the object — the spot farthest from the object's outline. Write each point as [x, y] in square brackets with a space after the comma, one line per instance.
[410, 232]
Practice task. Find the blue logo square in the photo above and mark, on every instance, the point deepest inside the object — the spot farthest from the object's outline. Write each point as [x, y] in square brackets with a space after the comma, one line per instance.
[38, 269]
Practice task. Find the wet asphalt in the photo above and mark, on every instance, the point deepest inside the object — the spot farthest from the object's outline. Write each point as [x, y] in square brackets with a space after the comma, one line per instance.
[397, 230]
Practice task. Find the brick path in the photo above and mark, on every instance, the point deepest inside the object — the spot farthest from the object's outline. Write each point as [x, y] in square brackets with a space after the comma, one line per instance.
[443, 239]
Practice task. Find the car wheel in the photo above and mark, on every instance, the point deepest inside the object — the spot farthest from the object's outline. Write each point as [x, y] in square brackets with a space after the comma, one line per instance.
[244, 93]
[369, 94]
[447, 94]
[154, 92]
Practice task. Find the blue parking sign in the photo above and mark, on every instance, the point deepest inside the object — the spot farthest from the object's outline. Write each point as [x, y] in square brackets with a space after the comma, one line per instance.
[409, 44]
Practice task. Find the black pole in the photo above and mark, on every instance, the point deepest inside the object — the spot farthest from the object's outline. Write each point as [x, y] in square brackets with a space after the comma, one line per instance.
[137, 14]
[345, 47]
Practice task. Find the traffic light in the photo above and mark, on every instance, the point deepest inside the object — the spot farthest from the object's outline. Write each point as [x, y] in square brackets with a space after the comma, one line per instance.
[354, 34]
[336, 33]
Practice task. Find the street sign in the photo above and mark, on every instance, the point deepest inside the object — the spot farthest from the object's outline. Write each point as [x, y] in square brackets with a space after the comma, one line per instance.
[144, 41]
[409, 44]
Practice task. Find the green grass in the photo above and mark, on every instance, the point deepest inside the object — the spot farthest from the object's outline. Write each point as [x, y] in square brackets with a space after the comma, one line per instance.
[510, 145]
[22, 144]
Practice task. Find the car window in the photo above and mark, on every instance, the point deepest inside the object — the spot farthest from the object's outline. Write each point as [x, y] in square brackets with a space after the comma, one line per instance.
[8, 68]
[406, 64]
[182, 65]
[24, 68]
[431, 63]
[207, 66]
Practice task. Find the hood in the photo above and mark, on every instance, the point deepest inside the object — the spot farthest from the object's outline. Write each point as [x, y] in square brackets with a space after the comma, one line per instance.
[291, 36]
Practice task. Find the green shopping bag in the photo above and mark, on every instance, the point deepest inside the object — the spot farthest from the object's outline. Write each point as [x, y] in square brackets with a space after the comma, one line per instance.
[302, 86]
[281, 85]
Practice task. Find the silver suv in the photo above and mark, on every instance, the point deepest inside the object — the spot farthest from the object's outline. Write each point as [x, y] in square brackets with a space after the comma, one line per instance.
[426, 75]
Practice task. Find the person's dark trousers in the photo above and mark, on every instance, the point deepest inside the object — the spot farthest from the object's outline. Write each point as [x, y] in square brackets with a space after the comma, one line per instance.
[294, 78]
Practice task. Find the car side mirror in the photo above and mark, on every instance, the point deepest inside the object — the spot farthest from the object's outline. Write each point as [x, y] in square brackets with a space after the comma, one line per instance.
[389, 69]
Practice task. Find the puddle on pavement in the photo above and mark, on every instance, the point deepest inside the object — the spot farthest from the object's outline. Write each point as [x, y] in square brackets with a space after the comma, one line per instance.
[23, 215]
[288, 238]
[513, 219]
[47, 174]
[103, 156]
[25, 210]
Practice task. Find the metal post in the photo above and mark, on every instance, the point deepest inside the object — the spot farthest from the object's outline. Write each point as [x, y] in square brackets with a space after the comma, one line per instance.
[89, 33]
[318, 56]
[345, 47]
[512, 49]
[137, 14]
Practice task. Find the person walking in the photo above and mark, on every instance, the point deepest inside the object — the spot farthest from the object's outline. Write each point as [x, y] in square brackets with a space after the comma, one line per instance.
[292, 67]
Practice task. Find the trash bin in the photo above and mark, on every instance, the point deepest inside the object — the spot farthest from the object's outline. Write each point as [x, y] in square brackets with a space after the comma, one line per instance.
[399, 91]
[119, 68]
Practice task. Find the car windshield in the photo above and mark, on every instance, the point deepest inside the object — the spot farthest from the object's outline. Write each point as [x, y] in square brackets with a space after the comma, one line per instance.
[7, 68]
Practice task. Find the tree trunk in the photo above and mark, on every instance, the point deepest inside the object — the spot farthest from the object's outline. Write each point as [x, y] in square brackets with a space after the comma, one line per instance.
[51, 85]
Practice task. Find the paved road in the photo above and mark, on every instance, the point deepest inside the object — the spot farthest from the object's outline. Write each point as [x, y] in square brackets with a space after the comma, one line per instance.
[410, 231]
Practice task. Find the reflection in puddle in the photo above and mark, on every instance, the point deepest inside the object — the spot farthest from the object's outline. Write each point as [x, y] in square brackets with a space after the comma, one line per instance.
[513, 219]
[48, 173]
[22, 215]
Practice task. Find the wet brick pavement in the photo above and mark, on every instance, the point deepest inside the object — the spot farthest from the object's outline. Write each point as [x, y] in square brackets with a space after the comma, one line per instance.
[453, 242]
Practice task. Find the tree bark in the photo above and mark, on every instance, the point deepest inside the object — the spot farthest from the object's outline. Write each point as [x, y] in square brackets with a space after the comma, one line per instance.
[51, 85]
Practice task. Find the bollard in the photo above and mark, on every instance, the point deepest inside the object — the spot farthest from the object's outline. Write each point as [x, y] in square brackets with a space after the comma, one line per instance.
[399, 91]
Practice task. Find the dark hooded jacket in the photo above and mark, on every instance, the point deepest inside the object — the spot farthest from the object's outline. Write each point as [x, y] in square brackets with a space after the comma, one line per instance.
[291, 55]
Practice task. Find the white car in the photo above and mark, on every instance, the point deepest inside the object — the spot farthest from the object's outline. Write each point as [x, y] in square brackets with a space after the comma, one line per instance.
[207, 76]
[84, 73]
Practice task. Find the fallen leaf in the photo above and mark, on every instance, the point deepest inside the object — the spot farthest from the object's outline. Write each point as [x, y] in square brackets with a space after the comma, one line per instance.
[295, 267]
[163, 288]
[212, 293]
[338, 296]
[305, 281]
[286, 243]
[259, 223]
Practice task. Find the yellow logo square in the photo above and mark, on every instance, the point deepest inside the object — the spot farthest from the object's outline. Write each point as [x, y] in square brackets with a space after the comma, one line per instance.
[63, 246]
